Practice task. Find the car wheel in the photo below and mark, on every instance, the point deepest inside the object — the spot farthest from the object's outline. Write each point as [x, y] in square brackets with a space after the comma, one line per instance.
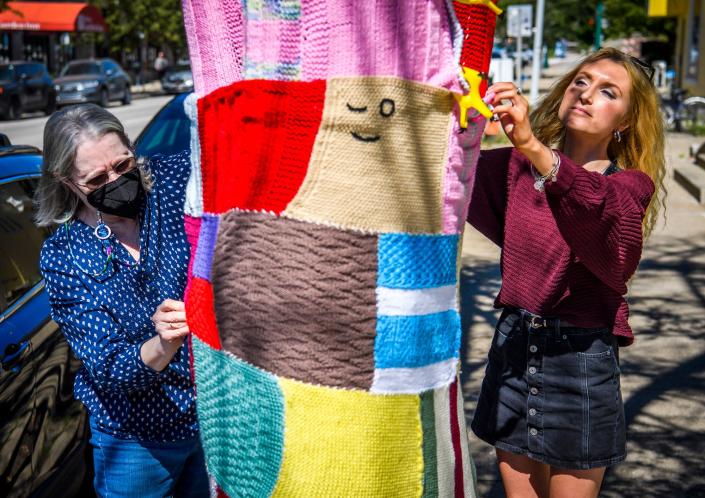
[127, 97]
[51, 104]
[104, 99]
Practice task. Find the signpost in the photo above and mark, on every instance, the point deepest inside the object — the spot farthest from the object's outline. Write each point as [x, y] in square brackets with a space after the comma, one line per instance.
[519, 24]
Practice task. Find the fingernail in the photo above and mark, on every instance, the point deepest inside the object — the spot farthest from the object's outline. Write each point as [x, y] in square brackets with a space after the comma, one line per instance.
[488, 98]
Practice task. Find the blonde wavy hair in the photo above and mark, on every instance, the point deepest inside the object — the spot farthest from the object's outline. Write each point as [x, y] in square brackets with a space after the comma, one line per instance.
[643, 142]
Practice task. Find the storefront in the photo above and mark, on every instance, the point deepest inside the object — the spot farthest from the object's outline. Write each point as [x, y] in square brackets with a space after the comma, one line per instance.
[49, 32]
[690, 42]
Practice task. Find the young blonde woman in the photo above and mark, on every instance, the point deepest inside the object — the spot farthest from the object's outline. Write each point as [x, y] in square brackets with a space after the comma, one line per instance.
[570, 204]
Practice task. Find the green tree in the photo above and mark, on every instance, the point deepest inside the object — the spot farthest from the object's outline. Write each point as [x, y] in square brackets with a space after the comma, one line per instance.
[160, 22]
[575, 20]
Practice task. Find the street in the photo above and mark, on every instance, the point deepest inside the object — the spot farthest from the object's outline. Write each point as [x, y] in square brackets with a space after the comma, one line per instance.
[29, 130]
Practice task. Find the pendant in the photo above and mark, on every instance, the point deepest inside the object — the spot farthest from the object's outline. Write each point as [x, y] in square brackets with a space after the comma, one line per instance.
[538, 185]
[102, 231]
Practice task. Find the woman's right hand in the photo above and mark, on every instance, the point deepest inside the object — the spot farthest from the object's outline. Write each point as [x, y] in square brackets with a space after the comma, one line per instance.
[170, 321]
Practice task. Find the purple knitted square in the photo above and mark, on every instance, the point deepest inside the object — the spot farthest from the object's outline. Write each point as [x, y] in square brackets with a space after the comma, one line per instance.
[206, 246]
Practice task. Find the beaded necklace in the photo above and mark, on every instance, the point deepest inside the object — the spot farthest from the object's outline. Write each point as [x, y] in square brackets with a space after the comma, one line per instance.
[103, 233]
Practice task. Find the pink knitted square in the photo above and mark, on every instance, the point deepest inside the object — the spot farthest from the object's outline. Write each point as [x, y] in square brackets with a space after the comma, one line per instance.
[411, 40]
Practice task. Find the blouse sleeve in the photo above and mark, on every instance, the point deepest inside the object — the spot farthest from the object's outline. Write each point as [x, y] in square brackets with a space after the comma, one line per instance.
[601, 217]
[488, 201]
[96, 338]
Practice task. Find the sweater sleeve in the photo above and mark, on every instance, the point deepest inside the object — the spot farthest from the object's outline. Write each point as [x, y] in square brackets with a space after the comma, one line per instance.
[600, 217]
[488, 201]
[96, 338]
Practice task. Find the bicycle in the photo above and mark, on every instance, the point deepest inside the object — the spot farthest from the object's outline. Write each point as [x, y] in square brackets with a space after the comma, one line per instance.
[683, 114]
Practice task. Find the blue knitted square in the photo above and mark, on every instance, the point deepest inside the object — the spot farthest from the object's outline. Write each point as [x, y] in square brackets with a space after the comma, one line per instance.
[416, 341]
[416, 261]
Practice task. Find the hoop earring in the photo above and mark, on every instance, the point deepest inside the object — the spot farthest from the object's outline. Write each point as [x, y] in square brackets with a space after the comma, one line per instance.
[617, 135]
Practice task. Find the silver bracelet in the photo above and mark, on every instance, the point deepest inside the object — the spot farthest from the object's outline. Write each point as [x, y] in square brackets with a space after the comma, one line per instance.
[540, 180]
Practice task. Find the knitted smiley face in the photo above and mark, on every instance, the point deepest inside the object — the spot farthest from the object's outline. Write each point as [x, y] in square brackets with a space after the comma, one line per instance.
[381, 147]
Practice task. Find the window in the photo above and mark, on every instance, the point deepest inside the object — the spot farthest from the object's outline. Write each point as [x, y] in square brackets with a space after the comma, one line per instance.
[20, 242]
[81, 68]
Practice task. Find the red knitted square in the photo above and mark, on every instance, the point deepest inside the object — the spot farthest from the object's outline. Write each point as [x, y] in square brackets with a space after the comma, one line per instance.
[478, 23]
[256, 142]
[200, 312]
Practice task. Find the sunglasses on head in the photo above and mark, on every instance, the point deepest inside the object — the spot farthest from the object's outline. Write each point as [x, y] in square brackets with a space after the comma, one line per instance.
[646, 68]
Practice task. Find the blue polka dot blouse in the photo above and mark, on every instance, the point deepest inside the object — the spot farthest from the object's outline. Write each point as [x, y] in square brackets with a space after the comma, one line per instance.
[107, 317]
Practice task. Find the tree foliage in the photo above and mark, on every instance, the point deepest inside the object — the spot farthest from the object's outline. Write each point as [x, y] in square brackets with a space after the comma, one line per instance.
[574, 20]
[159, 21]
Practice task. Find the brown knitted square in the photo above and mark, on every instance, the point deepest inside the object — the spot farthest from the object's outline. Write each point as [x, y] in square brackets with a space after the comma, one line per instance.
[297, 299]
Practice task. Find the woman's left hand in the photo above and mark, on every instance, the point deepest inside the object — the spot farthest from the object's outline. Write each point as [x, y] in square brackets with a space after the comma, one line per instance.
[514, 114]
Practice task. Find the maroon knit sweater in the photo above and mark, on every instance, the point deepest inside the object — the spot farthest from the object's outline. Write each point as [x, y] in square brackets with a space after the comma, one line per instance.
[567, 252]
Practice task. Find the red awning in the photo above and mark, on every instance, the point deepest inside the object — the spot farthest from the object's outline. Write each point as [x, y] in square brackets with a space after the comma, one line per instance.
[52, 16]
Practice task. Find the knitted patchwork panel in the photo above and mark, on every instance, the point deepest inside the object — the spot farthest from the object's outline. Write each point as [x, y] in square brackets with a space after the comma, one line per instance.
[458, 180]
[206, 245]
[478, 23]
[411, 40]
[216, 39]
[241, 418]
[200, 312]
[256, 140]
[381, 148]
[308, 316]
[194, 188]
[417, 338]
[341, 443]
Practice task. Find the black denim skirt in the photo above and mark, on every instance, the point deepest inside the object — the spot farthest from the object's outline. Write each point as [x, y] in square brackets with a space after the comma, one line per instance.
[552, 393]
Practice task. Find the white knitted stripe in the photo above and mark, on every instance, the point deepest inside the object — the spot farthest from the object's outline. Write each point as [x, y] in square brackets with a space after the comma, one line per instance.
[194, 189]
[406, 302]
[414, 380]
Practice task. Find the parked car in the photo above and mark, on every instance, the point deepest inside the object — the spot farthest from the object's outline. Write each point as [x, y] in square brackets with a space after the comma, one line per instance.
[169, 131]
[25, 86]
[92, 80]
[177, 79]
[43, 429]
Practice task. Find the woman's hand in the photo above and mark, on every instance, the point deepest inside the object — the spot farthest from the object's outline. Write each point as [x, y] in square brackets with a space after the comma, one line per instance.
[170, 321]
[514, 116]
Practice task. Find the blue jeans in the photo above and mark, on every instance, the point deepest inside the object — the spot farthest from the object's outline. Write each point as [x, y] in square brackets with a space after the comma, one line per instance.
[136, 469]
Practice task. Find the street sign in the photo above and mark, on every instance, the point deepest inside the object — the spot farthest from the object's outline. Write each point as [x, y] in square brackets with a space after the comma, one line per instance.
[519, 20]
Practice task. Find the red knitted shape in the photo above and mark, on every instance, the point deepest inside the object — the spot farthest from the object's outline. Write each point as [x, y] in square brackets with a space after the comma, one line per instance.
[256, 142]
[478, 23]
[200, 312]
[455, 437]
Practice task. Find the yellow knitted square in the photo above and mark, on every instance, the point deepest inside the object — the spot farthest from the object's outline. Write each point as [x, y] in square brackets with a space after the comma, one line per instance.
[344, 443]
[379, 157]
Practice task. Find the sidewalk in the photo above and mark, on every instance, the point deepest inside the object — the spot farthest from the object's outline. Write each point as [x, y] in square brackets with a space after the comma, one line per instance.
[663, 373]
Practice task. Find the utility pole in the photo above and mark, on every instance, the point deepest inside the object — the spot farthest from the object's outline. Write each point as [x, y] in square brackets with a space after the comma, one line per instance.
[599, 12]
[538, 52]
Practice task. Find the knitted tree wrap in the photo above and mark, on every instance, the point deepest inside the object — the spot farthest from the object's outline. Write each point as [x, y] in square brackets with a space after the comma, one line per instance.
[333, 185]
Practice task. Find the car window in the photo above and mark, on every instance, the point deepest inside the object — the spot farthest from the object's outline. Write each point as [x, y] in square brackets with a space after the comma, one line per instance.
[169, 132]
[20, 242]
[81, 68]
[6, 72]
[111, 65]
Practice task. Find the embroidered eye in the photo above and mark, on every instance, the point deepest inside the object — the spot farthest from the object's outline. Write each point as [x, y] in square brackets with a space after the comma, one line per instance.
[386, 107]
[356, 109]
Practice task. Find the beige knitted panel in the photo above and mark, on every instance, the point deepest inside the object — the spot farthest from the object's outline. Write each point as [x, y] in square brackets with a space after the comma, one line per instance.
[379, 157]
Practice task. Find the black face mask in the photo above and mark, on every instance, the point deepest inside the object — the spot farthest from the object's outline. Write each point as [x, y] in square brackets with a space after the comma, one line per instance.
[121, 197]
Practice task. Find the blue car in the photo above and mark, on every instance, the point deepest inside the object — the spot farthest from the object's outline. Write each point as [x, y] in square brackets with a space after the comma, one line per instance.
[168, 132]
[43, 429]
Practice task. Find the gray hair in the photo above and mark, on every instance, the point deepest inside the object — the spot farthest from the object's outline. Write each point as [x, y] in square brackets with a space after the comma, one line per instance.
[63, 133]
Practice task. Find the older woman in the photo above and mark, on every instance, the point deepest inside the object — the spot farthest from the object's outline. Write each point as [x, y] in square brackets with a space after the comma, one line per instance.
[115, 272]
